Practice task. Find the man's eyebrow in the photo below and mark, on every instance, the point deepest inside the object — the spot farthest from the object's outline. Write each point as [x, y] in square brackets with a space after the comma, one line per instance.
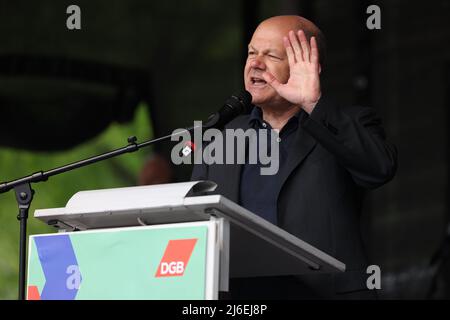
[274, 51]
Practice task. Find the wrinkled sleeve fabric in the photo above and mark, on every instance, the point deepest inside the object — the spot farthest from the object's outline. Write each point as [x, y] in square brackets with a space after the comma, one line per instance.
[355, 136]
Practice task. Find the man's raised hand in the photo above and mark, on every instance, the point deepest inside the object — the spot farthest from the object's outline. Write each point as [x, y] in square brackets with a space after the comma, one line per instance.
[303, 86]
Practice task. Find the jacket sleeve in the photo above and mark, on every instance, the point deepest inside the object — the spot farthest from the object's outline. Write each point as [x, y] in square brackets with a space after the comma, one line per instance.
[356, 138]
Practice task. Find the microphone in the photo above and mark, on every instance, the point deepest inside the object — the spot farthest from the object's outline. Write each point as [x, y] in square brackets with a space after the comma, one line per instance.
[234, 106]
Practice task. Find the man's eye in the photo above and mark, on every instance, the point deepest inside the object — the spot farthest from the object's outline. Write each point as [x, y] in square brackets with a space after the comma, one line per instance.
[250, 53]
[274, 57]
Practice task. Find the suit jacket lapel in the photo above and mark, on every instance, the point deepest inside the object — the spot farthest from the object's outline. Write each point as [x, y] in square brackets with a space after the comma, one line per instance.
[302, 145]
[232, 172]
[231, 183]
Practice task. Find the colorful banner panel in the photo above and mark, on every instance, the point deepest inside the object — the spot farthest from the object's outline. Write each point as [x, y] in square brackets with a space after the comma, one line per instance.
[162, 262]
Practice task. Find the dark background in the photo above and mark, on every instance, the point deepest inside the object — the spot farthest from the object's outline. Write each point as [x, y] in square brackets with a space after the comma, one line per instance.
[61, 89]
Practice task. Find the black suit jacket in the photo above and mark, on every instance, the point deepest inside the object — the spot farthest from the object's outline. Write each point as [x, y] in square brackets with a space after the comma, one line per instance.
[337, 153]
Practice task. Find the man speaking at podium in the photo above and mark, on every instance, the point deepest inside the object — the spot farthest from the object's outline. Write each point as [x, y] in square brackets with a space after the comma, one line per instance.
[328, 157]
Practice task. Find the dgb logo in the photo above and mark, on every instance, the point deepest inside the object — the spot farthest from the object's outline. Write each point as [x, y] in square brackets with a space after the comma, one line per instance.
[176, 257]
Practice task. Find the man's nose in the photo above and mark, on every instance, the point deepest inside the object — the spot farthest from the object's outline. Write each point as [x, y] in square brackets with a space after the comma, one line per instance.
[258, 63]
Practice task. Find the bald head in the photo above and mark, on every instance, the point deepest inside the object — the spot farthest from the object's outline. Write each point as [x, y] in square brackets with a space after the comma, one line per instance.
[283, 24]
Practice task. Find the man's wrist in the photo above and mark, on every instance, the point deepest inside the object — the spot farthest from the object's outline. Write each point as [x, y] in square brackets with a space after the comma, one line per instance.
[309, 107]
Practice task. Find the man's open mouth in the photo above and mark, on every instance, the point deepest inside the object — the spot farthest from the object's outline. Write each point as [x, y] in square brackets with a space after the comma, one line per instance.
[257, 81]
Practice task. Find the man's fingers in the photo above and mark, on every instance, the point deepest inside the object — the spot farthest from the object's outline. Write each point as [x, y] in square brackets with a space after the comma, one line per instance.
[304, 45]
[296, 45]
[314, 51]
[289, 51]
[271, 80]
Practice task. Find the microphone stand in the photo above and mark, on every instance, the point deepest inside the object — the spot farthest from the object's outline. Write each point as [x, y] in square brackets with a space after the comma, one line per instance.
[24, 192]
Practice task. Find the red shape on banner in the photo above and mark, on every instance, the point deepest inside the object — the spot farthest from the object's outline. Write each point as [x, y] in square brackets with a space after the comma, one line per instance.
[176, 258]
[33, 293]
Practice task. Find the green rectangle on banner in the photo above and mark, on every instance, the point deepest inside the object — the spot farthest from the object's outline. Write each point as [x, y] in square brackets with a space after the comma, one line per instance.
[155, 262]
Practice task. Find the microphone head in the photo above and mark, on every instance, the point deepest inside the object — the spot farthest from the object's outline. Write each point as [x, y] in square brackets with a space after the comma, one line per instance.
[240, 103]
[235, 105]
[246, 100]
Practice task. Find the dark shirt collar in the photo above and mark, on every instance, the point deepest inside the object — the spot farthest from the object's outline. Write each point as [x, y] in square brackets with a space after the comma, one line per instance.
[256, 118]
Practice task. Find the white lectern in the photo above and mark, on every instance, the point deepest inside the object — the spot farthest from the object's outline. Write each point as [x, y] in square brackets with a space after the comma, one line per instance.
[240, 243]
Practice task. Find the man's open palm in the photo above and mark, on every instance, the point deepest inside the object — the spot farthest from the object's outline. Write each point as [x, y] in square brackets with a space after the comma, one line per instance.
[303, 86]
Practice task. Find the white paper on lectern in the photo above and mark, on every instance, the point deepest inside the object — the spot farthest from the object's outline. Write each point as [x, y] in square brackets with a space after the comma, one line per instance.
[134, 198]
[129, 198]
